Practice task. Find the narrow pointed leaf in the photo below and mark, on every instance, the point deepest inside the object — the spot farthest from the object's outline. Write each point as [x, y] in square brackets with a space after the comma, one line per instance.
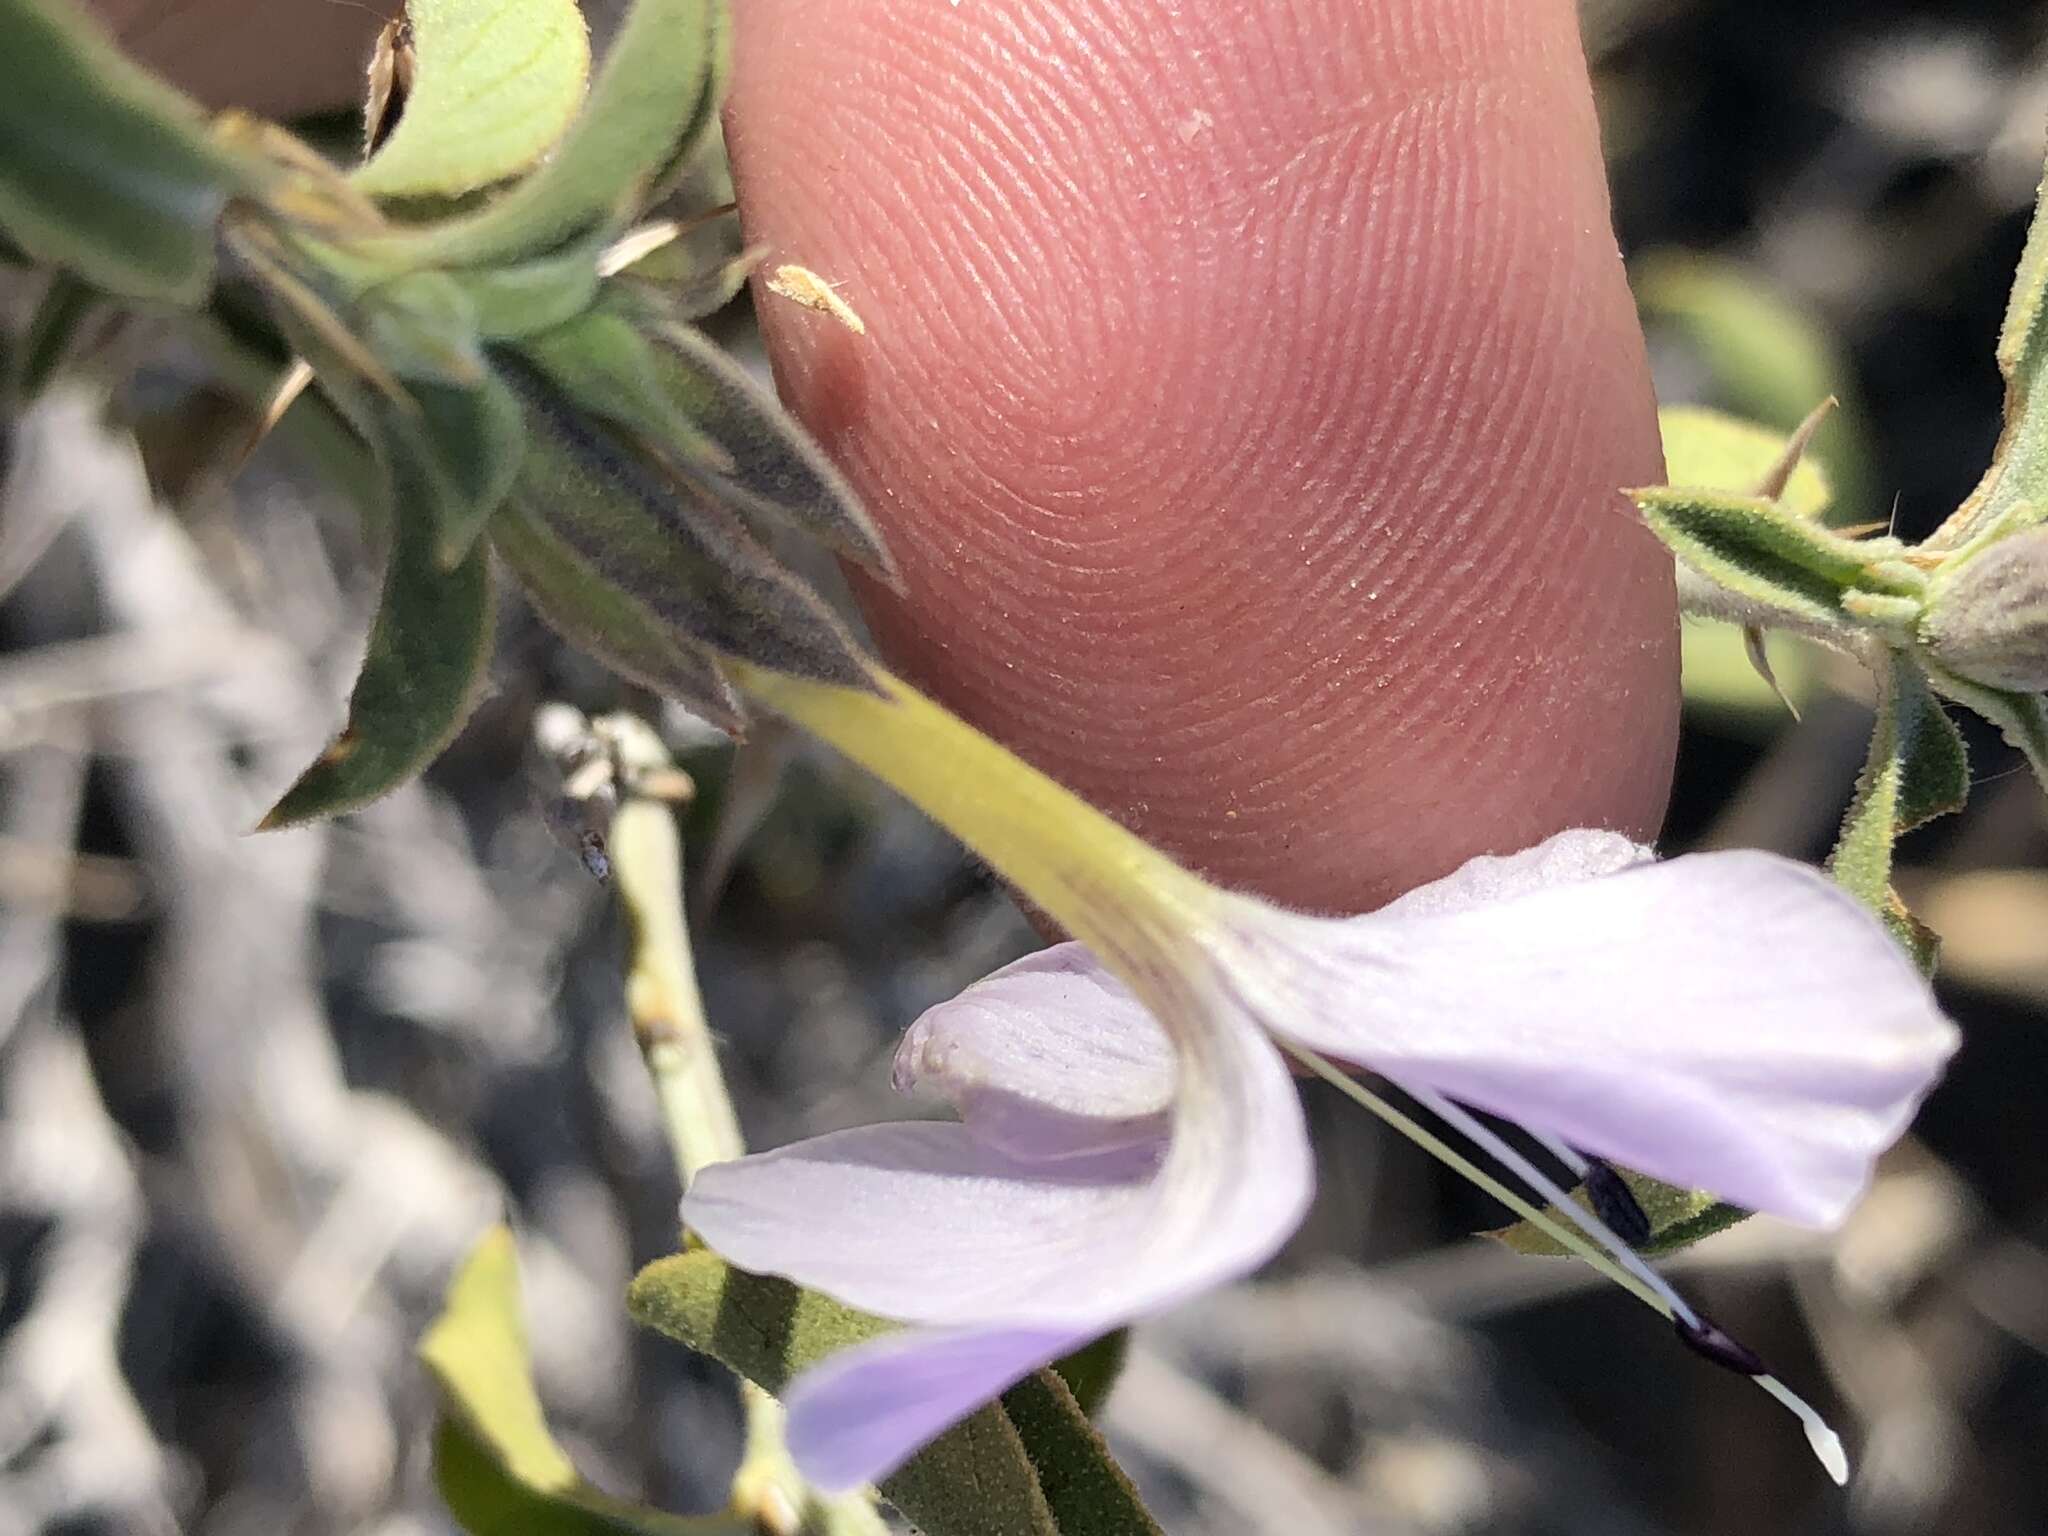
[495, 84]
[1916, 770]
[778, 473]
[103, 170]
[425, 662]
[1710, 448]
[681, 556]
[601, 363]
[1766, 357]
[1768, 556]
[469, 444]
[1029, 1466]
[607, 621]
[656, 94]
[495, 1462]
[2022, 718]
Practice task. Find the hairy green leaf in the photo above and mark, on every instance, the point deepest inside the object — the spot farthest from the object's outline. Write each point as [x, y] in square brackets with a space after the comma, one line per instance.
[425, 661]
[494, 1460]
[672, 550]
[2022, 718]
[656, 94]
[422, 325]
[103, 170]
[1029, 1466]
[469, 444]
[1767, 358]
[2019, 464]
[496, 83]
[521, 298]
[1771, 557]
[777, 473]
[696, 274]
[1710, 448]
[607, 621]
[1092, 1370]
[1917, 769]
[601, 363]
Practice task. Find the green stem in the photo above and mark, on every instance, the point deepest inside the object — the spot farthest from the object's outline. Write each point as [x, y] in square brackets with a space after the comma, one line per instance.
[667, 1012]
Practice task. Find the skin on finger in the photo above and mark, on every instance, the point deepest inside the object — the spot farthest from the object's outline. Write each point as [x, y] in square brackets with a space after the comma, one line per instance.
[280, 58]
[1245, 395]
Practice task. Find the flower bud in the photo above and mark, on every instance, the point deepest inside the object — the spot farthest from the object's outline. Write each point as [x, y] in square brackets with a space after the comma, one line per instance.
[1989, 622]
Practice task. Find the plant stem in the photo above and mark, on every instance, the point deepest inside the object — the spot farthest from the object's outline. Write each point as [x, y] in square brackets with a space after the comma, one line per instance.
[667, 1012]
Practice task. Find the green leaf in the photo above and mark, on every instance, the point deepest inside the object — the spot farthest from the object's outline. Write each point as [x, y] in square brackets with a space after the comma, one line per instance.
[673, 551]
[423, 325]
[692, 408]
[2022, 718]
[656, 94]
[1092, 1370]
[1916, 770]
[1678, 1219]
[425, 661]
[1769, 556]
[609, 623]
[778, 474]
[496, 83]
[103, 170]
[528, 296]
[1767, 359]
[469, 444]
[2019, 464]
[1725, 453]
[601, 363]
[1029, 1466]
[495, 1462]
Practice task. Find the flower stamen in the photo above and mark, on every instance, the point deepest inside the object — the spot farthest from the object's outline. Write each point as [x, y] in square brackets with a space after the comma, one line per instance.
[1468, 1125]
[1594, 1243]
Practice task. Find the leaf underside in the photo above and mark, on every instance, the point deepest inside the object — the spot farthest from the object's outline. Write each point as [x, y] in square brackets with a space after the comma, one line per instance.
[498, 82]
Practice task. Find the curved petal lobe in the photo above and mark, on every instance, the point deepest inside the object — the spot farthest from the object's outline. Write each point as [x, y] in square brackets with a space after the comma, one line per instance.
[1731, 1022]
[1048, 1057]
[932, 1223]
[862, 1414]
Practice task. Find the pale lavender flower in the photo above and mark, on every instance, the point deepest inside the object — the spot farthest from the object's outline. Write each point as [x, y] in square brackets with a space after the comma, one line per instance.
[1729, 1022]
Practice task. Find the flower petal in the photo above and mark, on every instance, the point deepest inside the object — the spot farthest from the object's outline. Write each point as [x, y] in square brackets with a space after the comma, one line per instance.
[1582, 853]
[924, 1222]
[1048, 1057]
[861, 1414]
[1731, 1022]
[929, 1223]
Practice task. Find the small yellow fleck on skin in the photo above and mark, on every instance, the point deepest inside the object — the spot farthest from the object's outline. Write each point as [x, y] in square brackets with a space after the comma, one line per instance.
[802, 286]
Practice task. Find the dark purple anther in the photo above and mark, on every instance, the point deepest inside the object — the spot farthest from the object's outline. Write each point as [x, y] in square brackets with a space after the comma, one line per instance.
[1707, 1340]
[1615, 1204]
